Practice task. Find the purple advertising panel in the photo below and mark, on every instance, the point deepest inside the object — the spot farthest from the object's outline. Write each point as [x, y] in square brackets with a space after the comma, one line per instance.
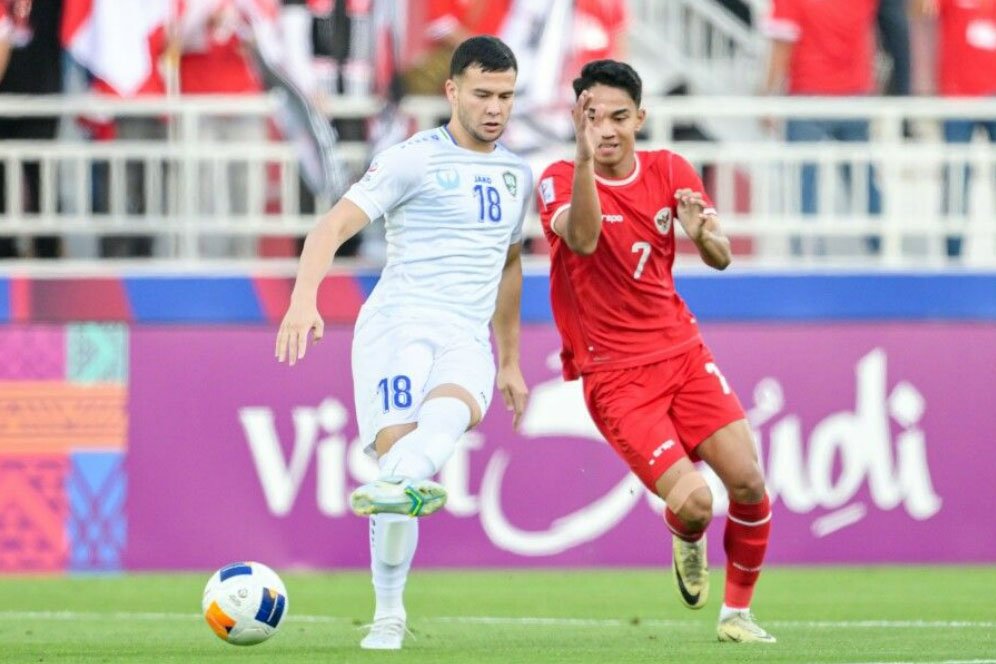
[876, 440]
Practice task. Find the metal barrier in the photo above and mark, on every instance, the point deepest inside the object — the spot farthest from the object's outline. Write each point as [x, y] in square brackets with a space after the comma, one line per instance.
[888, 201]
[713, 51]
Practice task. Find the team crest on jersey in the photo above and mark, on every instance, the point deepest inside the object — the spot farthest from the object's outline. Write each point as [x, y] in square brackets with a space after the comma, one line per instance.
[448, 178]
[662, 220]
[511, 182]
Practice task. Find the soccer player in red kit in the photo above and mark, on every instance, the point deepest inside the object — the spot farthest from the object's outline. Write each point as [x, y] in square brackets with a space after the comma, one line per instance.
[650, 383]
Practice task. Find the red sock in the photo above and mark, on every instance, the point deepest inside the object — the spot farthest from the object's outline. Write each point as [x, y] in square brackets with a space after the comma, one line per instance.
[745, 541]
[676, 526]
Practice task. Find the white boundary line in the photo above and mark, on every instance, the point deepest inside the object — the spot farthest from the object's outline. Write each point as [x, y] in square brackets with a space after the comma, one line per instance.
[946, 661]
[532, 621]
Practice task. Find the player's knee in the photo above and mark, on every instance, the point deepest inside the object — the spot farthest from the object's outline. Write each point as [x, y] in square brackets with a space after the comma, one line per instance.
[747, 488]
[691, 500]
[388, 436]
[696, 513]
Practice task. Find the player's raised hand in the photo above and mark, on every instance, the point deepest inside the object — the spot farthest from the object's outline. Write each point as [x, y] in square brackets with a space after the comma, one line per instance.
[691, 212]
[584, 127]
[301, 321]
[513, 390]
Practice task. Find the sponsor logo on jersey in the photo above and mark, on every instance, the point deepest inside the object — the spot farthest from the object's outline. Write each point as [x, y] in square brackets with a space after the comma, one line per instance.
[448, 178]
[546, 191]
[661, 449]
[662, 220]
[511, 182]
[612, 218]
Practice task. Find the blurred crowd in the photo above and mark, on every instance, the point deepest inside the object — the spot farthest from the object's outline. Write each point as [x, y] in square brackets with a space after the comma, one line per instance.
[389, 48]
[829, 49]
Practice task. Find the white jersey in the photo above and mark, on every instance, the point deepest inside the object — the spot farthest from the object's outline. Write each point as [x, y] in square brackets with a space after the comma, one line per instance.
[450, 216]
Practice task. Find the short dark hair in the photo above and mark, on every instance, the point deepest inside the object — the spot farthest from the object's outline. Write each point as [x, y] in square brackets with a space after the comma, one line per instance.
[487, 52]
[612, 73]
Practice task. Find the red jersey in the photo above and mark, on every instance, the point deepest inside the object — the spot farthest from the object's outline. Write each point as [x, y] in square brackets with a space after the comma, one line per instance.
[214, 60]
[834, 44]
[967, 60]
[618, 307]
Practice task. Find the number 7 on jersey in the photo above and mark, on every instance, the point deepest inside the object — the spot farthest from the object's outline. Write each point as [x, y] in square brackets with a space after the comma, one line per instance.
[644, 249]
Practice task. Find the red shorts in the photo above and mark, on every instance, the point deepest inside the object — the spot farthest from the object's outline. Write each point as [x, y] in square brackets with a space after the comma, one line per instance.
[655, 414]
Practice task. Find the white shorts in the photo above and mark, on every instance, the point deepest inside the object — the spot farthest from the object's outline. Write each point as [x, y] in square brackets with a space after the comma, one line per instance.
[398, 360]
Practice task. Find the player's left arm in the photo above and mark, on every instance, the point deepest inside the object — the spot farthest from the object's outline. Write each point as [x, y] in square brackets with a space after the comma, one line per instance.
[697, 215]
[505, 323]
[701, 225]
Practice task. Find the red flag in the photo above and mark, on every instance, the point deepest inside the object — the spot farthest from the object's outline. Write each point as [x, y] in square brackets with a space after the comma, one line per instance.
[118, 41]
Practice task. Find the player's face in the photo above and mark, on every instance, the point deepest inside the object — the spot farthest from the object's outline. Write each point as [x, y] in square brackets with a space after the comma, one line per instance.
[482, 102]
[615, 119]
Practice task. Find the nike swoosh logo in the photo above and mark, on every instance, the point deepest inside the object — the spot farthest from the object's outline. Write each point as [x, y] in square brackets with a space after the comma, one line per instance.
[688, 597]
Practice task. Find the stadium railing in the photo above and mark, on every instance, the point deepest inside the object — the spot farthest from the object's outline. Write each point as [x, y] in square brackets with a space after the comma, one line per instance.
[702, 45]
[187, 192]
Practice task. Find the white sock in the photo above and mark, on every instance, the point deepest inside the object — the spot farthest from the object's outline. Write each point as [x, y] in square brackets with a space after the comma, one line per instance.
[421, 453]
[726, 611]
[393, 538]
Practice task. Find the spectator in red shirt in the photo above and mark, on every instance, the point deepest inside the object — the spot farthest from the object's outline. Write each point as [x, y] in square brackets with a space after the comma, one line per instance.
[599, 32]
[452, 21]
[214, 61]
[447, 24]
[966, 68]
[823, 48]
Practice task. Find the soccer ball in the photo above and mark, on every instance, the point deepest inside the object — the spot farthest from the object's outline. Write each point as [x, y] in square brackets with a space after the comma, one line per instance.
[244, 603]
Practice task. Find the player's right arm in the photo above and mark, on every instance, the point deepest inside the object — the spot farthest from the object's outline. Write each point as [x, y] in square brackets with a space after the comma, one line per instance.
[581, 223]
[392, 178]
[342, 222]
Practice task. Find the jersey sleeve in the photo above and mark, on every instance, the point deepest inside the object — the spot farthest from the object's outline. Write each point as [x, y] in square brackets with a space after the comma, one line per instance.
[783, 23]
[392, 178]
[684, 176]
[526, 204]
[553, 195]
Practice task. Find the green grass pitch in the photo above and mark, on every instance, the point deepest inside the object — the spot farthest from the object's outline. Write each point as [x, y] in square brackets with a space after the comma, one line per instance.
[829, 614]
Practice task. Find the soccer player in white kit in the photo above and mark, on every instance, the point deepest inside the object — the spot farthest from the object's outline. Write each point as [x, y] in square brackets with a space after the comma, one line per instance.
[453, 201]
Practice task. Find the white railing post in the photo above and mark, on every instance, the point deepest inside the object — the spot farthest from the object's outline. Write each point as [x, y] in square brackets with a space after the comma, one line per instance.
[190, 191]
[979, 232]
[890, 190]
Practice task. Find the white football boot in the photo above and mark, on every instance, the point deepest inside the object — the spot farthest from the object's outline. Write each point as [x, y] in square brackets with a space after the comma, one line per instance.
[741, 628]
[385, 633]
[398, 495]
